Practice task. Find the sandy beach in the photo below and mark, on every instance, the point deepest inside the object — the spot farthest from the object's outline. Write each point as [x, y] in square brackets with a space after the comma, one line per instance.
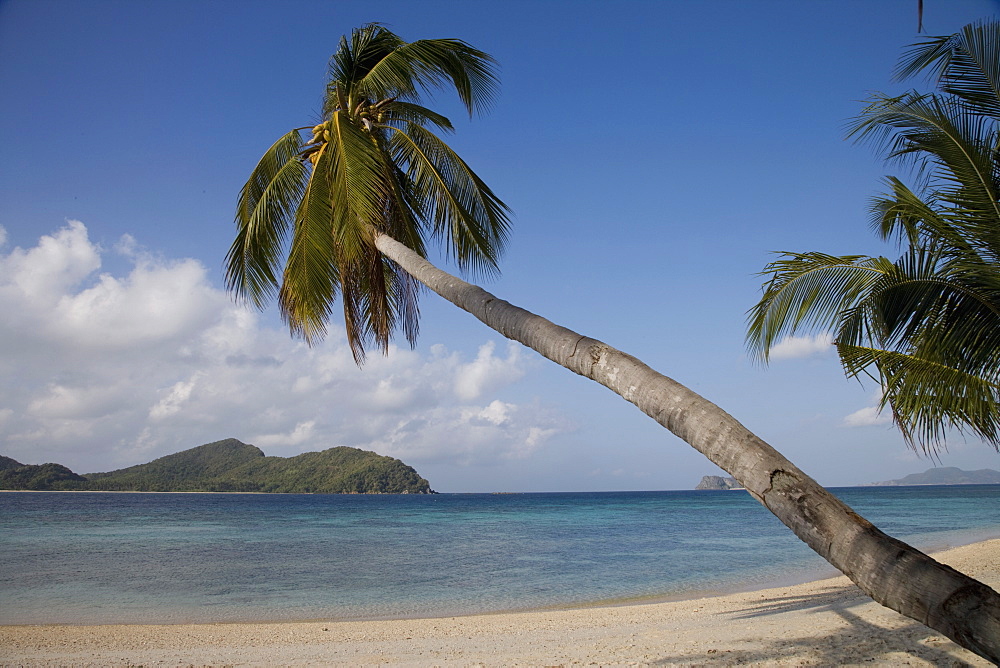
[824, 623]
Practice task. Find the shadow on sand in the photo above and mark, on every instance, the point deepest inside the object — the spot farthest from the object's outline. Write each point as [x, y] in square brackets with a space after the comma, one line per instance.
[906, 639]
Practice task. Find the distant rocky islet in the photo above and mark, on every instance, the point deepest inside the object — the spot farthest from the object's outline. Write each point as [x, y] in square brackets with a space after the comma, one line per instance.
[718, 482]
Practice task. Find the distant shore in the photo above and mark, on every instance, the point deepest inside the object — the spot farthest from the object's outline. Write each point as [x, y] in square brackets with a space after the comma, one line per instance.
[826, 622]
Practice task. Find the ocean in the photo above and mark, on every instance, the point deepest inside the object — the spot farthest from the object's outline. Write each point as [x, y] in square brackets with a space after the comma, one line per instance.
[103, 558]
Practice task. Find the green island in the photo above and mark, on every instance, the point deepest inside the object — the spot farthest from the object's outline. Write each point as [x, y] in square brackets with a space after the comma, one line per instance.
[231, 466]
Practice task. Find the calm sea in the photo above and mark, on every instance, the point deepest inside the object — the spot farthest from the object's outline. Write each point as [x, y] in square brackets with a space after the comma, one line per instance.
[169, 558]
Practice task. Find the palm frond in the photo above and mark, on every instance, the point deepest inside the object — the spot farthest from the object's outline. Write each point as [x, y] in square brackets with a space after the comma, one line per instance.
[901, 213]
[362, 196]
[356, 57]
[434, 64]
[357, 185]
[926, 306]
[961, 205]
[378, 298]
[808, 292]
[966, 65]
[929, 399]
[406, 211]
[264, 214]
[466, 215]
[311, 278]
[927, 222]
[936, 135]
[400, 113]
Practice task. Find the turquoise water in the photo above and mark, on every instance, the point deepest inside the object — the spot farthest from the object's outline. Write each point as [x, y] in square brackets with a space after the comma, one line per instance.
[170, 558]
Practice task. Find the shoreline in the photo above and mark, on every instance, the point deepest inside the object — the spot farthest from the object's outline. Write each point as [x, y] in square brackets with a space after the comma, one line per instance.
[823, 622]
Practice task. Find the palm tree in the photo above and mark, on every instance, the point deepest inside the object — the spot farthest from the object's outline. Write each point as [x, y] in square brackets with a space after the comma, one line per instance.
[361, 196]
[371, 167]
[926, 326]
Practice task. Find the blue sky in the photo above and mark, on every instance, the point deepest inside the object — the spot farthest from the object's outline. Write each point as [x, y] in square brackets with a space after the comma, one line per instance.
[654, 155]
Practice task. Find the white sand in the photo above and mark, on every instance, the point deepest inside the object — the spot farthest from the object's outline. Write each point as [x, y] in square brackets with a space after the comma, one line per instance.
[823, 623]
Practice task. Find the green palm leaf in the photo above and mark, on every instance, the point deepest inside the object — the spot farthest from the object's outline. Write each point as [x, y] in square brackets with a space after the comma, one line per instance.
[434, 64]
[964, 64]
[953, 147]
[400, 113]
[928, 398]
[462, 209]
[808, 292]
[312, 273]
[265, 212]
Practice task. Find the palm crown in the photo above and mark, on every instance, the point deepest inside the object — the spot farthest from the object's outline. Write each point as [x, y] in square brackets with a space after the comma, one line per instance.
[927, 325]
[308, 216]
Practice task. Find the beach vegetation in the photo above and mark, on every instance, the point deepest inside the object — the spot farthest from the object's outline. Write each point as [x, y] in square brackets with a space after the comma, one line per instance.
[349, 209]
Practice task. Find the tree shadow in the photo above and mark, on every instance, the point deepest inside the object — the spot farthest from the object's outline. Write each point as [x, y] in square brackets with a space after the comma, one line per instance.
[826, 648]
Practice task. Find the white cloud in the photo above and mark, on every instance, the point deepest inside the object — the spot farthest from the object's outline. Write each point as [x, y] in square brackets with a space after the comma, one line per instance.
[302, 433]
[102, 371]
[127, 246]
[488, 372]
[497, 412]
[475, 434]
[61, 402]
[865, 417]
[537, 436]
[59, 261]
[792, 347]
[155, 302]
[174, 400]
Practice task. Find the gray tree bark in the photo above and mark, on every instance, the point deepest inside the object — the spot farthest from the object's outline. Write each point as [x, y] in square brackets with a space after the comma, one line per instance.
[891, 572]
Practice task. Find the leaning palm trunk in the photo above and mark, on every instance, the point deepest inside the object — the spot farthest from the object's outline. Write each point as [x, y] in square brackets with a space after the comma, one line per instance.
[890, 571]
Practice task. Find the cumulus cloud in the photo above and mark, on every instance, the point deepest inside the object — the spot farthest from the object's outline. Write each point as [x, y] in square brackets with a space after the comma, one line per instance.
[62, 402]
[865, 417]
[44, 272]
[487, 371]
[792, 347]
[174, 400]
[105, 370]
[302, 433]
[477, 433]
[497, 412]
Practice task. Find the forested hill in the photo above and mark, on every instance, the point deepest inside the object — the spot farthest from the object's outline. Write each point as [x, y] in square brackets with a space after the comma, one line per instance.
[15, 475]
[232, 466]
